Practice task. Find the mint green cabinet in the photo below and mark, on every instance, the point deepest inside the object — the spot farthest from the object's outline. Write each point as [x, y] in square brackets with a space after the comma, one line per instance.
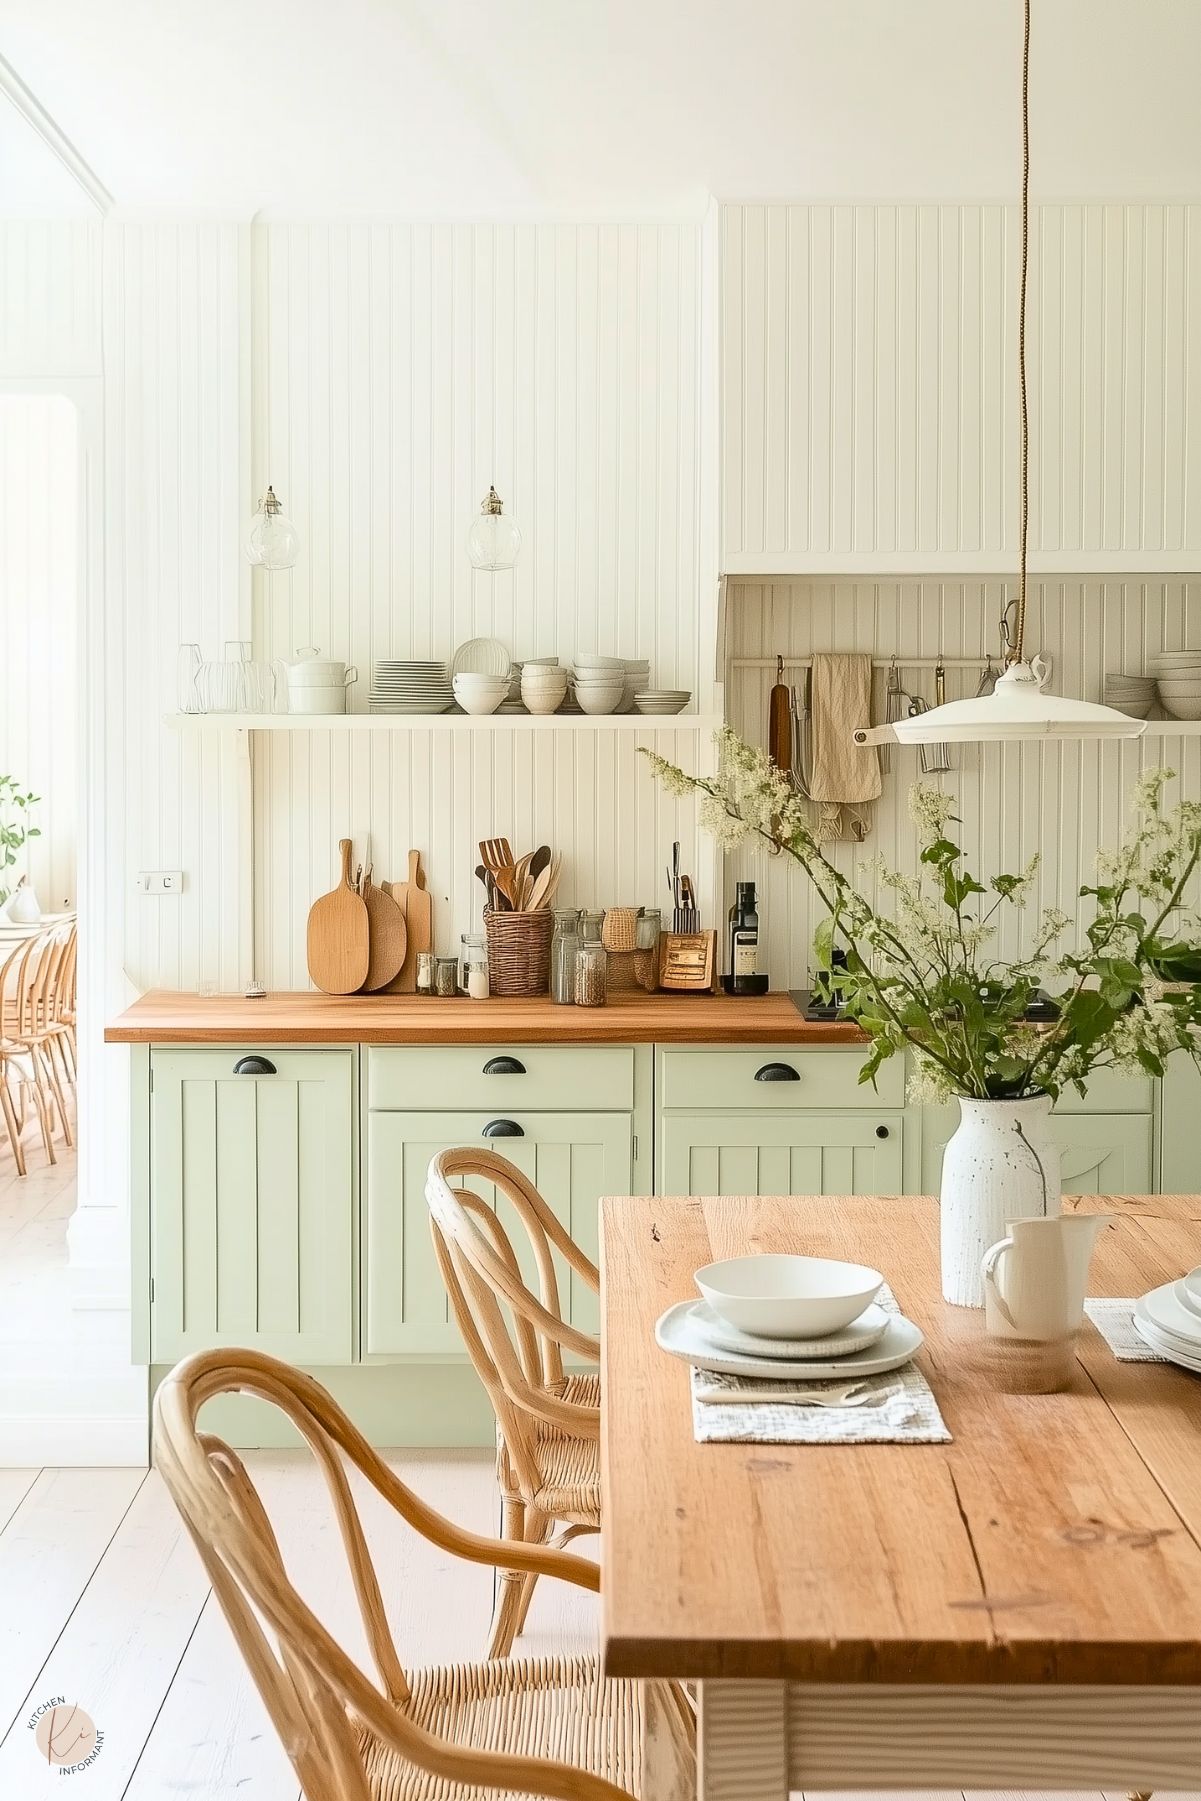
[780, 1153]
[253, 1187]
[573, 1158]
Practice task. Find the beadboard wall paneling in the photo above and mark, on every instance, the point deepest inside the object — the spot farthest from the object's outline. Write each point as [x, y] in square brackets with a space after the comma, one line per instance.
[1062, 801]
[398, 371]
[49, 298]
[176, 309]
[869, 393]
[587, 793]
[39, 600]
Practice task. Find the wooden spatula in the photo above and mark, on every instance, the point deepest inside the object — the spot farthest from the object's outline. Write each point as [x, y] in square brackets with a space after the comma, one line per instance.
[387, 935]
[339, 940]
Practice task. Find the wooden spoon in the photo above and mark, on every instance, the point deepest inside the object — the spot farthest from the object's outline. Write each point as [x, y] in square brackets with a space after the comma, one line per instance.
[545, 883]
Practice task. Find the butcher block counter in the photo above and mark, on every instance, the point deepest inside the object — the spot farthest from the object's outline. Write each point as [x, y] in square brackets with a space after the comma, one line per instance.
[163, 1017]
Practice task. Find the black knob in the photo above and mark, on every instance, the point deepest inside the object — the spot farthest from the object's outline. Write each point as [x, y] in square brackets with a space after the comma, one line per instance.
[504, 1066]
[881, 1131]
[254, 1066]
[777, 1072]
[503, 1128]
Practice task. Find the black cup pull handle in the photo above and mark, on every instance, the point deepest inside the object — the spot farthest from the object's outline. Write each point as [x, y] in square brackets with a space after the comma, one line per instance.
[504, 1066]
[503, 1128]
[254, 1066]
[881, 1131]
[777, 1072]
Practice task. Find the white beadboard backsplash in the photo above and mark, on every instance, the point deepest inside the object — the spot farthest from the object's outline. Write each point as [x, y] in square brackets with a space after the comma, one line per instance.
[1062, 800]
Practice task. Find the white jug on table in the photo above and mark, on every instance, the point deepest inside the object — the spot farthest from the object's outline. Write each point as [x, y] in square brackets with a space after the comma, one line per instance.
[1034, 1287]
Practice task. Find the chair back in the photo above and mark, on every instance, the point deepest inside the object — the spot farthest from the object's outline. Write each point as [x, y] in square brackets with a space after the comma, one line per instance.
[514, 1335]
[326, 1710]
[28, 1007]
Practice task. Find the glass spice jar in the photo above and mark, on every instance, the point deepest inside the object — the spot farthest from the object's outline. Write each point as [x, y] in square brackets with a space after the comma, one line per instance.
[591, 974]
[564, 948]
[446, 976]
[590, 927]
[473, 966]
[426, 964]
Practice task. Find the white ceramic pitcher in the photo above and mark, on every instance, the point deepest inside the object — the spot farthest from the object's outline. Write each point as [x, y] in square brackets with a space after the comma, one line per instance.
[1034, 1286]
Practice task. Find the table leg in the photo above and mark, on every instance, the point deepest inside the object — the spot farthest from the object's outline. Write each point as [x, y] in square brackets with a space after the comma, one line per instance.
[742, 1741]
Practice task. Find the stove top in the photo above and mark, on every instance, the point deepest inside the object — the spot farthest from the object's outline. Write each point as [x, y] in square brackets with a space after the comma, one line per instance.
[816, 1012]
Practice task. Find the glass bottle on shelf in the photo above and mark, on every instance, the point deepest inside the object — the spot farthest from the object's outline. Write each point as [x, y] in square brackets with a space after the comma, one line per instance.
[591, 974]
[564, 948]
[473, 965]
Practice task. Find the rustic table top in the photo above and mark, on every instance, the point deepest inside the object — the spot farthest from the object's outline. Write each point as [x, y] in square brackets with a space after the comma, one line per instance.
[1058, 1539]
[163, 1017]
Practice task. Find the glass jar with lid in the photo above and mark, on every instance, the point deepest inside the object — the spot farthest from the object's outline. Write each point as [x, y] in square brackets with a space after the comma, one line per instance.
[646, 931]
[564, 947]
[426, 966]
[473, 965]
[591, 974]
[590, 927]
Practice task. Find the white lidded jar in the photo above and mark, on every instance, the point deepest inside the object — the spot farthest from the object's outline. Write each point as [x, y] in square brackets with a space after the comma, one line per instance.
[318, 684]
[1001, 1164]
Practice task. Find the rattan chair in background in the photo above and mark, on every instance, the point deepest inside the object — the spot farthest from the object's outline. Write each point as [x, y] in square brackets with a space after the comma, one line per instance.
[32, 1021]
[447, 1734]
[21, 1063]
[547, 1420]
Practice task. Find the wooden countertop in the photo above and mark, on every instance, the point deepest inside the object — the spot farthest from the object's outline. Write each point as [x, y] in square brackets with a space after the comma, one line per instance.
[1056, 1539]
[163, 1017]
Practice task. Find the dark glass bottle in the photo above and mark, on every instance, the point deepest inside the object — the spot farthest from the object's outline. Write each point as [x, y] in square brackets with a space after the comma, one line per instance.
[742, 946]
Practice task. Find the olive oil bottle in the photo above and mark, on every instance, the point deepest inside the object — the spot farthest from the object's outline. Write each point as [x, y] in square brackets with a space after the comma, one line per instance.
[742, 947]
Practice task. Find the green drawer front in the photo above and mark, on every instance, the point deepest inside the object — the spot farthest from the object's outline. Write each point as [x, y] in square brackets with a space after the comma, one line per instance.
[827, 1078]
[549, 1076]
[573, 1158]
[733, 1153]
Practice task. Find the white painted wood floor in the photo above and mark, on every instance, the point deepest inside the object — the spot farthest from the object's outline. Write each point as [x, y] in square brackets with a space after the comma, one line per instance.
[103, 1599]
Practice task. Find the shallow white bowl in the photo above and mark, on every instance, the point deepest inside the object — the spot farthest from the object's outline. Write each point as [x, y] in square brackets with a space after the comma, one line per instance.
[600, 666]
[553, 678]
[788, 1297]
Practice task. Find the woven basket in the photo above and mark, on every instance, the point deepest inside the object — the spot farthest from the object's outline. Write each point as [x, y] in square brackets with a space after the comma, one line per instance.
[619, 931]
[519, 951]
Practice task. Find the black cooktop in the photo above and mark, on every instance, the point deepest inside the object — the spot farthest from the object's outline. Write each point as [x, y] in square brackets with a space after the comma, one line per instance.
[1042, 1007]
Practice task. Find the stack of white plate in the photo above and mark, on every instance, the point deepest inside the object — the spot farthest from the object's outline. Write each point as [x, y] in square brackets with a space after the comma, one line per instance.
[1169, 1321]
[399, 686]
[788, 1319]
[662, 700]
[1178, 678]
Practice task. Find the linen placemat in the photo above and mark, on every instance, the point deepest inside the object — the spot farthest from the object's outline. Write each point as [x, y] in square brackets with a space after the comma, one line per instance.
[906, 1413]
[1114, 1320]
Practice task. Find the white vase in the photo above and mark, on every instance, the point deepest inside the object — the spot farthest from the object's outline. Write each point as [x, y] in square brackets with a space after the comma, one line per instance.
[1001, 1164]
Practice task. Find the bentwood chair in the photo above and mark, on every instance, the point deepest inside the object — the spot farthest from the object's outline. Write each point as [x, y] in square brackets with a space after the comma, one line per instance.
[547, 1421]
[33, 1022]
[552, 1726]
[20, 1048]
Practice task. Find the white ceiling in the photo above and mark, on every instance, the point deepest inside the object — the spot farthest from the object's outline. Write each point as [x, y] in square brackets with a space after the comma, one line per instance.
[599, 108]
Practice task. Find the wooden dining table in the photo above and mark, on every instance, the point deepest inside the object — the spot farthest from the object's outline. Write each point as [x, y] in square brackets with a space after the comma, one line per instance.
[1017, 1609]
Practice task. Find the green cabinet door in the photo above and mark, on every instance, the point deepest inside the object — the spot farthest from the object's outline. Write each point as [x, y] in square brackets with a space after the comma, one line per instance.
[761, 1153]
[252, 1204]
[572, 1158]
[1100, 1153]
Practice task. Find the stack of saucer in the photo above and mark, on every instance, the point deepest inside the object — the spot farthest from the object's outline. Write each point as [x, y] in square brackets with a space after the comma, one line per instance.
[410, 687]
[788, 1319]
[1169, 1321]
[662, 700]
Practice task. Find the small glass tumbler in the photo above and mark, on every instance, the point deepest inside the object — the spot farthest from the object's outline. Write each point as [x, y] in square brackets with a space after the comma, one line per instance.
[426, 963]
[473, 966]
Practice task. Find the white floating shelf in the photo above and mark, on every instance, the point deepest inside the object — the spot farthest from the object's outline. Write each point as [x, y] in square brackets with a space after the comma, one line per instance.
[443, 722]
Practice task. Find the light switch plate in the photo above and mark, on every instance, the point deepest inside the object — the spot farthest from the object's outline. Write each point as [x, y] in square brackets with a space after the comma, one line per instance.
[160, 881]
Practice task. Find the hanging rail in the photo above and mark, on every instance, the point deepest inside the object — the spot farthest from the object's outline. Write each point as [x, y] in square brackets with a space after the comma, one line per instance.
[901, 662]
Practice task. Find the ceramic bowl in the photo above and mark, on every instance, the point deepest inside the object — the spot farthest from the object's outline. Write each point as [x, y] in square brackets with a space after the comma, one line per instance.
[597, 701]
[1182, 709]
[479, 702]
[788, 1297]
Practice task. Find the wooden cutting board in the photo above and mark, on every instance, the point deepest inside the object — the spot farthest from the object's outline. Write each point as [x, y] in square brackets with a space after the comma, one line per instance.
[387, 936]
[339, 945]
[416, 903]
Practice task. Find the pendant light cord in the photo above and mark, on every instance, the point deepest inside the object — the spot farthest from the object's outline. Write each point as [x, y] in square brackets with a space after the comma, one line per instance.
[1017, 651]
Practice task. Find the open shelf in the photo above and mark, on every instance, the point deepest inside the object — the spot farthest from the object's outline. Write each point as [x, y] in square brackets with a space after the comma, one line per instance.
[443, 722]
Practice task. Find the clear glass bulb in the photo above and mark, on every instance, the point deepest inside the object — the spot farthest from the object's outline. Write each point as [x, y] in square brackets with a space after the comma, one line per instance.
[272, 541]
[493, 541]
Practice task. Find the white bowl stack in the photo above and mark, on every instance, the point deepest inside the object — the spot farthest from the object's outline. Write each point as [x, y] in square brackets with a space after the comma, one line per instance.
[480, 694]
[1133, 694]
[1178, 681]
[543, 686]
[400, 686]
[638, 675]
[662, 700]
[600, 684]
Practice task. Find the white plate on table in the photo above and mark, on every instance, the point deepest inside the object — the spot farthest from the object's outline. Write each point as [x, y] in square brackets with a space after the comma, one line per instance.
[1188, 1290]
[1161, 1309]
[1166, 1348]
[863, 1332]
[677, 1334]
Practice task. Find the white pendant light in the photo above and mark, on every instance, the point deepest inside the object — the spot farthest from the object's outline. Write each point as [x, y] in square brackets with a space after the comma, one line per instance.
[494, 539]
[272, 541]
[1018, 707]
